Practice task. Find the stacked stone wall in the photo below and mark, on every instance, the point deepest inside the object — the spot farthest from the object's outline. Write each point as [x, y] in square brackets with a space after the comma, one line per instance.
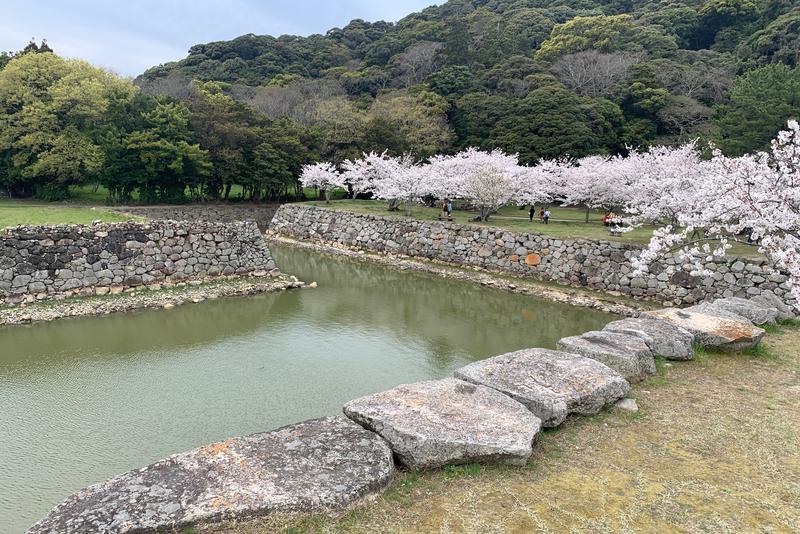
[39, 262]
[597, 264]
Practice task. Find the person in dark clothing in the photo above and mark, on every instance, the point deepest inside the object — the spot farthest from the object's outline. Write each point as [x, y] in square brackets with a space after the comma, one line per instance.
[532, 213]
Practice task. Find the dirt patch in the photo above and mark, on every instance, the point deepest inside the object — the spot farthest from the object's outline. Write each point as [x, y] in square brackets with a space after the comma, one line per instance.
[713, 448]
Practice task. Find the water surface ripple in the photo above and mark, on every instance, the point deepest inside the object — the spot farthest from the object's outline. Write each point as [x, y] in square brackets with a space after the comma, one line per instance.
[84, 399]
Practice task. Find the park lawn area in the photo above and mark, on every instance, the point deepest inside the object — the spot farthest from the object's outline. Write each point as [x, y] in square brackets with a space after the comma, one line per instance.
[14, 212]
[566, 222]
[713, 448]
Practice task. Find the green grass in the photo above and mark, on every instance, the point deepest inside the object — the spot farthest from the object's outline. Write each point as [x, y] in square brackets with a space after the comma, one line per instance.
[14, 212]
[566, 223]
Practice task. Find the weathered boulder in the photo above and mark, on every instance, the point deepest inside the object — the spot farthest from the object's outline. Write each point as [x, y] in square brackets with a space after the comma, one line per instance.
[322, 464]
[550, 383]
[770, 300]
[711, 330]
[755, 312]
[662, 337]
[628, 355]
[709, 308]
[449, 421]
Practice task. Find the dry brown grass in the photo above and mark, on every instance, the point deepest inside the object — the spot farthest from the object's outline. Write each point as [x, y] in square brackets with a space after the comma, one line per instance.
[714, 448]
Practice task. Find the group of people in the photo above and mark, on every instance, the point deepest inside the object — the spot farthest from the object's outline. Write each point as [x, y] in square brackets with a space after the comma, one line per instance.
[611, 219]
[447, 210]
[544, 215]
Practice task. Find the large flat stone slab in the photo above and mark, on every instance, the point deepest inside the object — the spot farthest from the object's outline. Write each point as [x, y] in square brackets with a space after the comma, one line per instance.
[770, 300]
[552, 384]
[712, 330]
[438, 422]
[709, 308]
[753, 311]
[628, 355]
[319, 465]
[662, 337]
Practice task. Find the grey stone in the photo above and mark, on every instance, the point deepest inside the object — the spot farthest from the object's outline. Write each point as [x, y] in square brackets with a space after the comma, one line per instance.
[77, 256]
[627, 405]
[449, 421]
[662, 337]
[754, 312]
[320, 465]
[710, 308]
[628, 355]
[712, 330]
[598, 264]
[785, 312]
[550, 383]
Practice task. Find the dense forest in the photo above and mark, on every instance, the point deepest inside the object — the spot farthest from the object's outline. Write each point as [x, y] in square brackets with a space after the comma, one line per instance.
[541, 78]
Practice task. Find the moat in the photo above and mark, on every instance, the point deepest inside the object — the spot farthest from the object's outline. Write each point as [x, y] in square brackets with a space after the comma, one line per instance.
[85, 399]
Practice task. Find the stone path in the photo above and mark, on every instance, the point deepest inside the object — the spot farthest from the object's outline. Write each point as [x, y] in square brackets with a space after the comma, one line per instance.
[438, 422]
[753, 311]
[491, 411]
[712, 331]
[662, 337]
[551, 384]
[319, 465]
[628, 355]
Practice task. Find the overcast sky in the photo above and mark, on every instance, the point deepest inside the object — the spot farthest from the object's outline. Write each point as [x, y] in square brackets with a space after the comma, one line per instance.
[128, 36]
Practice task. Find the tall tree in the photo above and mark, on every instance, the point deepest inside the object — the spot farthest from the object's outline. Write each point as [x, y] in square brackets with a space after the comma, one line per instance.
[52, 116]
[759, 104]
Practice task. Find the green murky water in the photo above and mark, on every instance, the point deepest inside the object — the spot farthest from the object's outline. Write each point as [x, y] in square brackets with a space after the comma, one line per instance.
[84, 399]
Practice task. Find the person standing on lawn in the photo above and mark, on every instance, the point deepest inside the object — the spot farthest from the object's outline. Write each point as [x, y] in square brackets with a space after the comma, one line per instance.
[531, 213]
[547, 216]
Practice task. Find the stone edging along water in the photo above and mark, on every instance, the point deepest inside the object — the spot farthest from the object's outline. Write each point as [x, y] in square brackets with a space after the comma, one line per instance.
[596, 264]
[489, 411]
[579, 297]
[55, 262]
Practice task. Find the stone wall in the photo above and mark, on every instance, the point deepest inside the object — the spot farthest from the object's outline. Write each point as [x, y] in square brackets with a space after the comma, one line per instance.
[38, 262]
[602, 265]
[216, 212]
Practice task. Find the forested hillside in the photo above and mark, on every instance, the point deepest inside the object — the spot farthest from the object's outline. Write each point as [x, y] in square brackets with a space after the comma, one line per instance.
[541, 78]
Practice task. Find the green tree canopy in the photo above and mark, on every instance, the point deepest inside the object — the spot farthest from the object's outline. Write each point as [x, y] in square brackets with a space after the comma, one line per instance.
[760, 103]
[52, 120]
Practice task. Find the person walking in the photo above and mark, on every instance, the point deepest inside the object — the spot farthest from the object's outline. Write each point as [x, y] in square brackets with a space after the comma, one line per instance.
[449, 204]
[531, 213]
[541, 215]
[547, 216]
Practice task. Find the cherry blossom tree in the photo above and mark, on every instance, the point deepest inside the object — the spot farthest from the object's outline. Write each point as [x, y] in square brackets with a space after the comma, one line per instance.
[758, 194]
[394, 179]
[488, 180]
[323, 176]
[543, 183]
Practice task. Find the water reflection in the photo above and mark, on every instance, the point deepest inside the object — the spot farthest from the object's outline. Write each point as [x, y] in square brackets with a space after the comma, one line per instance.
[84, 399]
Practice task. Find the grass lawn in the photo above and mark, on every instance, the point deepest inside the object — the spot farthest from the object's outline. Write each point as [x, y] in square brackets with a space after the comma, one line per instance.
[566, 223]
[13, 212]
[713, 448]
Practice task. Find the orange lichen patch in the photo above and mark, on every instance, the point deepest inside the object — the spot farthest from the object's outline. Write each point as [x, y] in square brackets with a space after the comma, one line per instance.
[514, 258]
[533, 259]
[222, 503]
[219, 448]
[736, 330]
